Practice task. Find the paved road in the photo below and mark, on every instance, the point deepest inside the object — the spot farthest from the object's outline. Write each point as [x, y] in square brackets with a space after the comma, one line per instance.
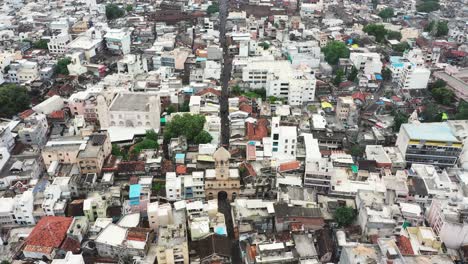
[225, 208]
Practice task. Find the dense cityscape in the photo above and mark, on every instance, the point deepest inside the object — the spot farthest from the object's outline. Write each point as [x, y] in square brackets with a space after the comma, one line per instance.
[242, 131]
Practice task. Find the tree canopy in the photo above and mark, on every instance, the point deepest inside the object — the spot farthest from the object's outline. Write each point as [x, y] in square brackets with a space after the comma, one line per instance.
[338, 77]
[399, 119]
[213, 8]
[129, 8]
[443, 95]
[401, 47]
[61, 66]
[462, 111]
[40, 44]
[376, 30]
[149, 142]
[357, 150]
[188, 125]
[352, 76]
[334, 50]
[344, 215]
[13, 100]
[442, 29]
[113, 11]
[387, 13]
[393, 35]
[428, 6]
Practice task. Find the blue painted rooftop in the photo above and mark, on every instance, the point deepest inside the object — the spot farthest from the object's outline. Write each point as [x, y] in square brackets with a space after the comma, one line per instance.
[396, 61]
[135, 191]
[180, 156]
[220, 230]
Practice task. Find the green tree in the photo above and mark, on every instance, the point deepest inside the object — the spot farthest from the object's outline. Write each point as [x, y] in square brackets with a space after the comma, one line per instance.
[145, 144]
[129, 8]
[116, 150]
[203, 138]
[431, 113]
[113, 11]
[5, 262]
[462, 111]
[427, 6]
[352, 76]
[13, 100]
[257, 93]
[443, 95]
[375, 3]
[399, 119]
[171, 109]
[378, 31]
[387, 13]
[265, 45]
[386, 74]
[393, 35]
[61, 66]
[442, 29]
[236, 90]
[356, 150]
[344, 215]
[334, 50]
[439, 83]
[429, 27]
[185, 107]
[187, 125]
[272, 99]
[213, 8]
[150, 134]
[40, 44]
[401, 47]
[338, 77]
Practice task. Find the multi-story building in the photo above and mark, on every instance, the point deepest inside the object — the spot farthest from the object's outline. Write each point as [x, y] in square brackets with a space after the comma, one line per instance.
[368, 62]
[132, 64]
[223, 182]
[346, 109]
[280, 80]
[173, 186]
[283, 138]
[6, 137]
[62, 151]
[172, 245]
[58, 42]
[307, 53]
[34, 130]
[429, 143]
[449, 220]
[95, 207]
[22, 71]
[6, 211]
[92, 157]
[409, 71]
[118, 41]
[24, 208]
[130, 110]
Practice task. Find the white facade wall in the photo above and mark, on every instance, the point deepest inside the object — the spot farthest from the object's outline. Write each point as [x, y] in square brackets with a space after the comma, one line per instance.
[283, 138]
[369, 63]
[58, 43]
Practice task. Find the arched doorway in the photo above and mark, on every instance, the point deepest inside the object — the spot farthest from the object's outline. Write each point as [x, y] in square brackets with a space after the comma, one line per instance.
[222, 196]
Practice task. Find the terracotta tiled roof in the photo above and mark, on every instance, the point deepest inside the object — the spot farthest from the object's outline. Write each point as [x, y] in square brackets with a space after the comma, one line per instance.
[257, 131]
[289, 166]
[209, 90]
[59, 114]
[249, 168]
[181, 169]
[404, 244]
[26, 113]
[360, 96]
[50, 231]
[246, 108]
[51, 93]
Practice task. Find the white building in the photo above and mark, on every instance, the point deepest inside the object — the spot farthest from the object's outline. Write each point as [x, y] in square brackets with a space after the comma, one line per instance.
[128, 114]
[24, 208]
[58, 43]
[132, 64]
[50, 105]
[173, 187]
[307, 53]
[22, 71]
[6, 211]
[34, 130]
[118, 40]
[448, 219]
[7, 140]
[281, 80]
[88, 42]
[409, 71]
[159, 215]
[283, 139]
[368, 62]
